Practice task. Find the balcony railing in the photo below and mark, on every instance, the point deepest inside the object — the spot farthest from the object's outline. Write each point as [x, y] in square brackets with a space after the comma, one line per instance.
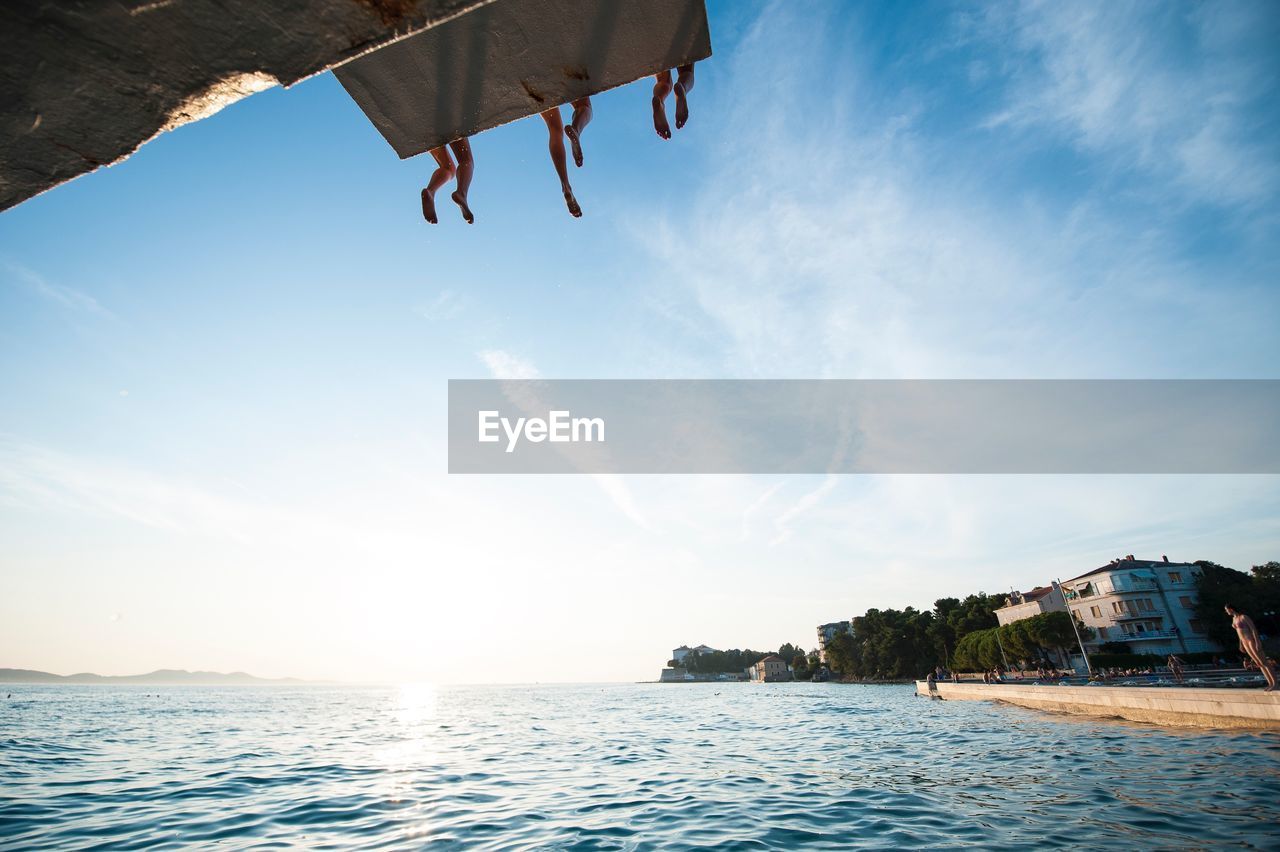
[1150, 634]
[1130, 616]
[1134, 585]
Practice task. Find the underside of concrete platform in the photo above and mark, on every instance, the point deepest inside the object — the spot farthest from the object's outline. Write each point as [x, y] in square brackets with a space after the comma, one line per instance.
[516, 58]
[84, 83]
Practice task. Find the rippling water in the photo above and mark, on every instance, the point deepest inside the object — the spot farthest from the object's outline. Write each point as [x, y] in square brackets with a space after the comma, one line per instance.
[610, 767]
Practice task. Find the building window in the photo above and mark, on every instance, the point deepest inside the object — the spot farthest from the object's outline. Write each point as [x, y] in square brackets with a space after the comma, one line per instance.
[1144, 604]
[1175, 577]
[1095, 611]
[1117, 607]
[1186, 602]
[1197, 626]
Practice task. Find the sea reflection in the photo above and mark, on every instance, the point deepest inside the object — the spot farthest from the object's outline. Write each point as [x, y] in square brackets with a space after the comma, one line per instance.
[618, 766]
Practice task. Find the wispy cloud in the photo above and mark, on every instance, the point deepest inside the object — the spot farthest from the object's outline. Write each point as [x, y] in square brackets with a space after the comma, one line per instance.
[37, 477]
[832, 236]
[1174, 90]
[503, 365]
[783, 523]
[67, 297]
[446, 305]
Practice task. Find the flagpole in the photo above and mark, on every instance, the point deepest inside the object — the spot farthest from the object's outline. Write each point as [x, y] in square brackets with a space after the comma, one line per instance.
[1071, 615]
[1001, 644]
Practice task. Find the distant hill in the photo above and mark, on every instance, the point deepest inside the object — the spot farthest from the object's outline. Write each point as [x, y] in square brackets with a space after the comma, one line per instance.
[159, 676]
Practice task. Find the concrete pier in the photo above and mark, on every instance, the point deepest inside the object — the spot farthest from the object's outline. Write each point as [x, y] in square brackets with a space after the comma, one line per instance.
[1161, 705]
[84, 83]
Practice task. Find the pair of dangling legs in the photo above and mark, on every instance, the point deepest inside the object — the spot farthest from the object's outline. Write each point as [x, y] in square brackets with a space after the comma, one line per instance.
[662, 87]
[445, 172]
[556, 133]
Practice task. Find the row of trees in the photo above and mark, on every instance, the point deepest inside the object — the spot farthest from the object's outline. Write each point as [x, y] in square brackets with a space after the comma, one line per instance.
[895, 644]
[891, 644]
[738, 659]
[1024, 643]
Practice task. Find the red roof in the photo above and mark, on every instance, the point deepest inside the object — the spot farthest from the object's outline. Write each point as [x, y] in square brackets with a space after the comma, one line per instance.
[773, 658]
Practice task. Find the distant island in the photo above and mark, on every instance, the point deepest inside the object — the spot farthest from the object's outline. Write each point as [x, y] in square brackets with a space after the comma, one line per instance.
[180, 677]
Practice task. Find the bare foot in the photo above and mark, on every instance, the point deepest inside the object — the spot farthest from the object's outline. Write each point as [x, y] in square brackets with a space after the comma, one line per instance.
[574, 210]
[461, 200]
[575, 143]
[429, 208]
[682, 106]
[660, 119]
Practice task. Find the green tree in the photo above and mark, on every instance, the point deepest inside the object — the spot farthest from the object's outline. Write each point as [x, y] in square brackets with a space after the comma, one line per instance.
[1026, 641]
[1267, 572]
[844, 656]
[800, 666]
[1217, 586]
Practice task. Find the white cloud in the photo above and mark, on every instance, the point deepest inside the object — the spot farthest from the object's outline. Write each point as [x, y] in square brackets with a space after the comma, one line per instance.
[504, 365]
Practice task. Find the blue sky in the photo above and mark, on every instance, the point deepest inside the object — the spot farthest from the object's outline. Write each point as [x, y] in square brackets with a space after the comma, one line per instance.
[222, 433]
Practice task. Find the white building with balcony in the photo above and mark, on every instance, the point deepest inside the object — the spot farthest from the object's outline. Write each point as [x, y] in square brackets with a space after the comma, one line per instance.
[1020, 605]
[1147, 604]
[683, 651]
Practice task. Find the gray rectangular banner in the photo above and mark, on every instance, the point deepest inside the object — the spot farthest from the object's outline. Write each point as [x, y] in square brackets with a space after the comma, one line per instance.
[864, 426]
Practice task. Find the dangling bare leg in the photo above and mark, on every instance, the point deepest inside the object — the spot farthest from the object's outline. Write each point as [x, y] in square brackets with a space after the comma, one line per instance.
[466, 165]
[1259, 656]
[684, 85]
[581, 118]
[661, 88]
[555, 144]
[442, 175]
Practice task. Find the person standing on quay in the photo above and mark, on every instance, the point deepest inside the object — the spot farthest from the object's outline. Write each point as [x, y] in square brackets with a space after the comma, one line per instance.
[1251, 644]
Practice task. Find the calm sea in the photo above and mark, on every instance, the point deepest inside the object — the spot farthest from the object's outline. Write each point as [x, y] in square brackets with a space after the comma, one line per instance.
[735, 766]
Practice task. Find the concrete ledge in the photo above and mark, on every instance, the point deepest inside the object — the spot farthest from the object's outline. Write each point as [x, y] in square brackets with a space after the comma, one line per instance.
[515, 58]
[84, 83]
[1162, 705]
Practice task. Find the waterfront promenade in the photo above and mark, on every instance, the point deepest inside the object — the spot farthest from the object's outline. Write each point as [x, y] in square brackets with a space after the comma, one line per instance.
[1201, 707]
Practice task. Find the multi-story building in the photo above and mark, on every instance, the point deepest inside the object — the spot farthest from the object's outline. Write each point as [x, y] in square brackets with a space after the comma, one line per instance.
[771, 668]
[827, 632]
[684, 650]
[1020, 605]
[1147, 604]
